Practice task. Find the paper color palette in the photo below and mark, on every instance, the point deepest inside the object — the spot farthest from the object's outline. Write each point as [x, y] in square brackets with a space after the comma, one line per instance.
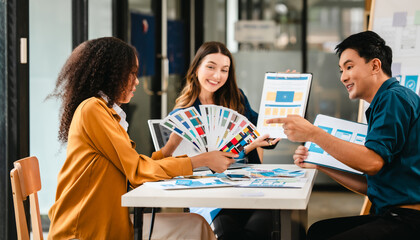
[217, 128]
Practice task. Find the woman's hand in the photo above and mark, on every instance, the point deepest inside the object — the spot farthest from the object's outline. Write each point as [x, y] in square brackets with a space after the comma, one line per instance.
[170, 146]
[301, 154]
[217, 161]
[261, 141]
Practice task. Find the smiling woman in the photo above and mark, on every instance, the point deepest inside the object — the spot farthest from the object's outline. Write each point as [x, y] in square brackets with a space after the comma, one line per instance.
[211, 79]
[212, 74]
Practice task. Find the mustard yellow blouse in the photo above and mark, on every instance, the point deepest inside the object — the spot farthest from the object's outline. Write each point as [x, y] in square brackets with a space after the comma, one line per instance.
[101, 158]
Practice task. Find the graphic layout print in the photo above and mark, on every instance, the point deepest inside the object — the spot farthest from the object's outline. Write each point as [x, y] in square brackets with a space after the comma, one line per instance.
[283, 94]
[346, 130]
[314, 147]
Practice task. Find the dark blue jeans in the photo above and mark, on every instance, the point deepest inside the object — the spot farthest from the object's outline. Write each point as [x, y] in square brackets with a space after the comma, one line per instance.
[396, 223]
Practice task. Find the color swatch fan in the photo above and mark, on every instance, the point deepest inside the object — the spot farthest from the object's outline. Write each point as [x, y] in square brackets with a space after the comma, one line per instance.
[217, 128]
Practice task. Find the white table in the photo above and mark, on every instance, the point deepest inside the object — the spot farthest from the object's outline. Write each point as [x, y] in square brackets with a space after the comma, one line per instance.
[290, 204]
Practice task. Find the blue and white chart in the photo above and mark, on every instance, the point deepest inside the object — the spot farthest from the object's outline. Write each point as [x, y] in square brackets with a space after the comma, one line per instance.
[180, 183]
[283, 94]
[346, 130]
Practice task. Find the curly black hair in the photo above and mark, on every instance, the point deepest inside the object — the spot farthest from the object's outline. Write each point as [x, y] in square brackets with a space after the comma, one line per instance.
[102, 64]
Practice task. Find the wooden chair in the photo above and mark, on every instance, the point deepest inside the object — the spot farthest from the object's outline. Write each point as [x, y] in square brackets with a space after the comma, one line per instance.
[26, 181]
[366, 207]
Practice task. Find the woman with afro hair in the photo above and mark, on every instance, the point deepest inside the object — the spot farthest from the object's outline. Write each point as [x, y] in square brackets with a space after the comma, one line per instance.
[101, 162]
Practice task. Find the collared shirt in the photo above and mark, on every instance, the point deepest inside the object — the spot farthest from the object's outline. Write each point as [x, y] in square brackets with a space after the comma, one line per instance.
[118, 110]
[101, 159]
[394, 134]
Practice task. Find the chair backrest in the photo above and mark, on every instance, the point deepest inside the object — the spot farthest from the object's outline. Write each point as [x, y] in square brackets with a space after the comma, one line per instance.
[366, 207]
[26, 181]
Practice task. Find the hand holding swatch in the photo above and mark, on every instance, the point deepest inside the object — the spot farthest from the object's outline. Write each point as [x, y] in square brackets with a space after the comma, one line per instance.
[217, 128]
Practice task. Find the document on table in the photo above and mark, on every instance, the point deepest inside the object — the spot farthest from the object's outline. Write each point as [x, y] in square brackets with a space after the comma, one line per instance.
[343, 129]
[275, 173]
[229, 180]
[181, 183]
[283, 94]
[273, 183]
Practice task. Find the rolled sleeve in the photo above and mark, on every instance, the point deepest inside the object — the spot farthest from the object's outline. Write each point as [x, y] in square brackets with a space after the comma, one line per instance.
[389, 127]
[380, 149]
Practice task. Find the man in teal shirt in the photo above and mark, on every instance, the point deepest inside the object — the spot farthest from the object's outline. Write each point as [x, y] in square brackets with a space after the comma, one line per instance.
[390, 157]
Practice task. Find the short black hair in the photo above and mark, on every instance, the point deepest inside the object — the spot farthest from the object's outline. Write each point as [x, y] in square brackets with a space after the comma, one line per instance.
[368, 45]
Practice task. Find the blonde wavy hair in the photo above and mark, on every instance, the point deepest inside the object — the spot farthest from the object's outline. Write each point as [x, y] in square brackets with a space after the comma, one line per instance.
[228, 95]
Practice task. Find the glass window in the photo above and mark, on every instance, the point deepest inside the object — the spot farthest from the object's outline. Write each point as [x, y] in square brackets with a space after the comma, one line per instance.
[50, 45]
[100, 18]
[277, 53]
[329, 22]
[215, 20]
[142, 32]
